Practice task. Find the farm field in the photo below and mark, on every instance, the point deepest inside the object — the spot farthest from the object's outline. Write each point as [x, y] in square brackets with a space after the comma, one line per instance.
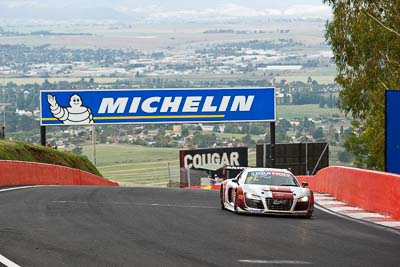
[38, 80]
[290, 77]
[300, 111]
[159, 36]
[132, 165]
[321, 79]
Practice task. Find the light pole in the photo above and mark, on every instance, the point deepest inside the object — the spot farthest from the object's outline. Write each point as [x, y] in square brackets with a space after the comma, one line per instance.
[94, 144]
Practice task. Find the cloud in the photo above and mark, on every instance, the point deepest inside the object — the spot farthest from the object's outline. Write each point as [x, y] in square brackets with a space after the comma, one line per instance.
[156, 10]
[23, 4]
[234, 10]
[230, 10]
[226, 11]
[308, 11]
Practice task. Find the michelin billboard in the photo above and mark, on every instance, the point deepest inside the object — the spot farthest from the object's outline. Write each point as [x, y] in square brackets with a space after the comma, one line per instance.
[85, 107]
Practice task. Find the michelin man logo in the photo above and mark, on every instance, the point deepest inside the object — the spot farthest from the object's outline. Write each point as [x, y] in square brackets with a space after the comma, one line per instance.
[74, 114]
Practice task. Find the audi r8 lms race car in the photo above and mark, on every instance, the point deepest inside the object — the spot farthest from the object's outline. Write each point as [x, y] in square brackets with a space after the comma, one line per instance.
[267, 191]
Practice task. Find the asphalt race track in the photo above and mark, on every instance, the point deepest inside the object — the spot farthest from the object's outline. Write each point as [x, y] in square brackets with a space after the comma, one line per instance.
[117, 226]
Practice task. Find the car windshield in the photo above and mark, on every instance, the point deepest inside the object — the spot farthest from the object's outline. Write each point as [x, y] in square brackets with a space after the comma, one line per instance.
[271, 178]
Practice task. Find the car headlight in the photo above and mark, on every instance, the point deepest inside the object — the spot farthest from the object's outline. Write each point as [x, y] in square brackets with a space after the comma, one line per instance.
[303, 199]
[252, 196]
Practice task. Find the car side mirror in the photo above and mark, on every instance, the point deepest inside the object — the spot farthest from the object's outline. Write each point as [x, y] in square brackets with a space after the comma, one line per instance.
[304, 184]
[235, 181]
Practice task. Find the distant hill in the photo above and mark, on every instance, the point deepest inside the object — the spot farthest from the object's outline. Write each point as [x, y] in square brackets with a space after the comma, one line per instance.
[28, 152]
[155, 10]
[67, 13]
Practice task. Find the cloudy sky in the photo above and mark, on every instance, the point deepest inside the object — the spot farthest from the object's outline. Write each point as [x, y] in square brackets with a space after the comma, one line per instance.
[107, 9]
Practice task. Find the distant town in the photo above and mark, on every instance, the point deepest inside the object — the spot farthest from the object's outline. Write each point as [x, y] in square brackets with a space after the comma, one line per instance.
[301, 71]
[257, 58]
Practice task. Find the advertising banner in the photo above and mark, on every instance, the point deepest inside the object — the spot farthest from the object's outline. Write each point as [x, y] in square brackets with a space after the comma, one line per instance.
[210, 160]
[83, 107]
[393, 131]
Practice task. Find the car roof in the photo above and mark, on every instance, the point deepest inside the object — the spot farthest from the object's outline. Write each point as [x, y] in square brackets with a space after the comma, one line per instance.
[268, 170]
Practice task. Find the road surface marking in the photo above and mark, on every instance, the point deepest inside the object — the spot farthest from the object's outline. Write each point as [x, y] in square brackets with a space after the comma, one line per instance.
[344, 208]
[4, 260]
[136, 204]
[275, 262]
[17, 188]
[7, 262]
[327, 202]
[345, 216]
[389, 224]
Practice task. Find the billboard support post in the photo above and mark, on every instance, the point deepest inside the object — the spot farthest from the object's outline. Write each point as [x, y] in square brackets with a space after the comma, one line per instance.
[265, 155]
[43, 135]
[272, 147]
[307, 172]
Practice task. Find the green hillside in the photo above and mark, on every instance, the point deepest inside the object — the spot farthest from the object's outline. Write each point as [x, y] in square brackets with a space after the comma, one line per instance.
[28, 152]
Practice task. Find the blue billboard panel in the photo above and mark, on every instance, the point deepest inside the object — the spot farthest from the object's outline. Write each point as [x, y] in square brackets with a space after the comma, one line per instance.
[393, 131]
[84, 107]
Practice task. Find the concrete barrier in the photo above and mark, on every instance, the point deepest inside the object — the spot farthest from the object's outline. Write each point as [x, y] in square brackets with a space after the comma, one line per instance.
[32, 173]
[371, 190]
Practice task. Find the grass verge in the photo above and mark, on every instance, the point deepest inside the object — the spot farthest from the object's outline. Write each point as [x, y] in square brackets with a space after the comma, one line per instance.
[33, 153]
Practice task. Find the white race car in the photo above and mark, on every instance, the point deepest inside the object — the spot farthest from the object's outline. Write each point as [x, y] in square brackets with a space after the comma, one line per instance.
[267, 191]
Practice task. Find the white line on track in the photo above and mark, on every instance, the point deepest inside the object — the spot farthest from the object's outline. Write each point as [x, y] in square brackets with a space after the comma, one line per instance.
[362, 215]
[343, 216]
[136, 204]
[275, 262]
[328, 202]
[4, 260]
[345, 208]
[389, 224]
[17, 188]
[7, 262]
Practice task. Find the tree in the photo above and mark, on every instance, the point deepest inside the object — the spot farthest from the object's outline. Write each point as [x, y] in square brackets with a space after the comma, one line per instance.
[257, 129]
[318, 134]
[245, 127]
[77, 150]
[284, 124]
[248, 140]
[365, 38]
[203, 140]
[231, 128]
[345, 156]
[185, 131]
[322, 102]
[216, 128]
